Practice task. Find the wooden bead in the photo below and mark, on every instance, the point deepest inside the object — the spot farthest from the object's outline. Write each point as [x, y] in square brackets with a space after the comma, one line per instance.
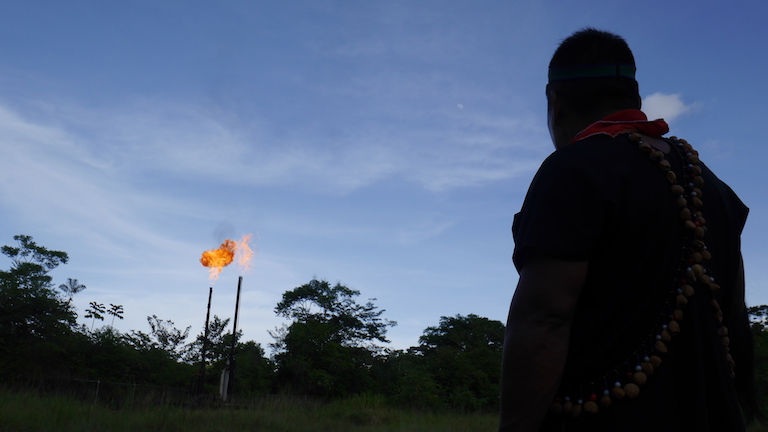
[647, 368]
[698, 193]
[632, 390]
[618, 393]
[678, 314]
[660, 347]
[671, 177]
[705, 255]
[696, 257]
[635, 137]
[689, 226]
[681, 300]
[681, 201]
[699, 232]
[687, 290]
[677, 189]
[698, 180]
[568, 407]
[722, 331]
[605, 401]
[697, 244]
[655, 361]
[644, 147]
[726, 341]
[694, 159]
[697, 269]
[664, 165]
[576, 410]
[696, 202]
[656, 156]
[697, 170]
[640, 378]
[665, 336]
[713, 286]
[673, 327]
[685, 213]
[591, 407]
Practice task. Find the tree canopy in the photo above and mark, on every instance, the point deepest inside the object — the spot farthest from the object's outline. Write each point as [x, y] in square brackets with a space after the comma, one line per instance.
[330, 345]
[349, 323]
[463, 353]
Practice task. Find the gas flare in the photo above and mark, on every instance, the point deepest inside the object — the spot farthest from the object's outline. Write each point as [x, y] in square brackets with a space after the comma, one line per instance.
[217, 259]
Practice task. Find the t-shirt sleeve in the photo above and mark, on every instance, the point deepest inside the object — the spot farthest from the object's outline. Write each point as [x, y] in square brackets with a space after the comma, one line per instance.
[563, 211]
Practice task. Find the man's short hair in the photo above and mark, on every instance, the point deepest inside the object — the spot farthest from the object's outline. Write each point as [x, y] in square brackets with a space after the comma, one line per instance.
[578, 77]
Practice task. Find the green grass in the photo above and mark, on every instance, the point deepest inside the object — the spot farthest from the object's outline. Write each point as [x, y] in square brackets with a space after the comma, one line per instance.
[30, 412]
[27, 411]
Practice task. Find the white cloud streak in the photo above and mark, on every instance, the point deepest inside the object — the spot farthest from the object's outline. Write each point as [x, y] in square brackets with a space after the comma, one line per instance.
[666, 106]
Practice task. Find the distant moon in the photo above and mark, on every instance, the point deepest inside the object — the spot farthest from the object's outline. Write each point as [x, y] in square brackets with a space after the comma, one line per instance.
[460, 106]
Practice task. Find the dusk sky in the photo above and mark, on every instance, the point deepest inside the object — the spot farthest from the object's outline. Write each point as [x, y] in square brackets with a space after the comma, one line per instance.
[385, 145]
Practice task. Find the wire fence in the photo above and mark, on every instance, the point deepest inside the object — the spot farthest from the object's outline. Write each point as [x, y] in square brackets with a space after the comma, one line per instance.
[118, 395]
[121, 395]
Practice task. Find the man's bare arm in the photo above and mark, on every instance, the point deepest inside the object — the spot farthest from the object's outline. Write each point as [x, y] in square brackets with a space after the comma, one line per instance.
[536, 340]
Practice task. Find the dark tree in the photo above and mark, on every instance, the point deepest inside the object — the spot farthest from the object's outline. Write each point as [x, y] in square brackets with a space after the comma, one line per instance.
[759, 317]
[329, 347]
[349, 323]
[116, 311]
[163, 337]
[463, 354]
[29, 307]
[34, 321]
[219, 343]
[96, 311]
[71, 288]
[31, 264]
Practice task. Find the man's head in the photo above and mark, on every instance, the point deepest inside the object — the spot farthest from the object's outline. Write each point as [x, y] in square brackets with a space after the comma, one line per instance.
[591, 75]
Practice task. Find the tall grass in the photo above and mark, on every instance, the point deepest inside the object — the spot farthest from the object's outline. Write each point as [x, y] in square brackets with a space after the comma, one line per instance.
[26, 411]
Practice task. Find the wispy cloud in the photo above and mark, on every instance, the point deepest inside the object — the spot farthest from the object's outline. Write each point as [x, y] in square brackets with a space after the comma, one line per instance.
[113, 176]
[440, 151]
[666, 106]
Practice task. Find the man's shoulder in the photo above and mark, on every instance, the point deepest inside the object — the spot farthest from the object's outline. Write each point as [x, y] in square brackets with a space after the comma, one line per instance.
[588, 152]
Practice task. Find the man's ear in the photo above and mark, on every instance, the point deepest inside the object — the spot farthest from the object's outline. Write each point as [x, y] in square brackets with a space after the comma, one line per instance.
[554, 107]
[555, 118]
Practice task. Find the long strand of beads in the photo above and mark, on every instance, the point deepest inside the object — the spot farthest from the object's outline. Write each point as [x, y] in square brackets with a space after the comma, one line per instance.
[692, 272]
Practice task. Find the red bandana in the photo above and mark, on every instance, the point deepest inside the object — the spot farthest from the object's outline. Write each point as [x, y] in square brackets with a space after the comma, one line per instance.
[630, 120]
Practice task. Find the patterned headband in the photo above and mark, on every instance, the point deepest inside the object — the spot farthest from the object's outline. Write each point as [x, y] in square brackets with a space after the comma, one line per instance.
[592, 71]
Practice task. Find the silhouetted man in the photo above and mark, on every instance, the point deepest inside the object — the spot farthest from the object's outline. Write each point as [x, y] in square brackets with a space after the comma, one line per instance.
[629, 313]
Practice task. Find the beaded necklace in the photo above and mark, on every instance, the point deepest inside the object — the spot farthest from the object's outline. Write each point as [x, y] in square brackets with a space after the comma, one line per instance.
[692, 276]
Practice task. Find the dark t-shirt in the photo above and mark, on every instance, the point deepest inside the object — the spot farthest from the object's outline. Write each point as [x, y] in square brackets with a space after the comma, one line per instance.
[602, 200]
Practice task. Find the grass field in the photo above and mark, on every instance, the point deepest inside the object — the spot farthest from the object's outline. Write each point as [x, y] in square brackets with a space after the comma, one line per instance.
[29, 412]
[26, 411]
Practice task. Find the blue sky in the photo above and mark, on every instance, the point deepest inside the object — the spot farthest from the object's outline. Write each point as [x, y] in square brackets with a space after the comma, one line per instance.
[383, 144]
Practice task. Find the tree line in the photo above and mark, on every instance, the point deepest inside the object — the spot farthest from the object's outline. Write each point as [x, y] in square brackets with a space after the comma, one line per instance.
[332, 346]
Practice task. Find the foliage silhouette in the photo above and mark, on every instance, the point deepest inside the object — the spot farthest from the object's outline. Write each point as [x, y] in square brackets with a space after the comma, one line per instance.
[329, 348]
[71, 288]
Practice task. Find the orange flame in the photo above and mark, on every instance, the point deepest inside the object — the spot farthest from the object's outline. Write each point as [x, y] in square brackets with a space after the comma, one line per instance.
[217, 259]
